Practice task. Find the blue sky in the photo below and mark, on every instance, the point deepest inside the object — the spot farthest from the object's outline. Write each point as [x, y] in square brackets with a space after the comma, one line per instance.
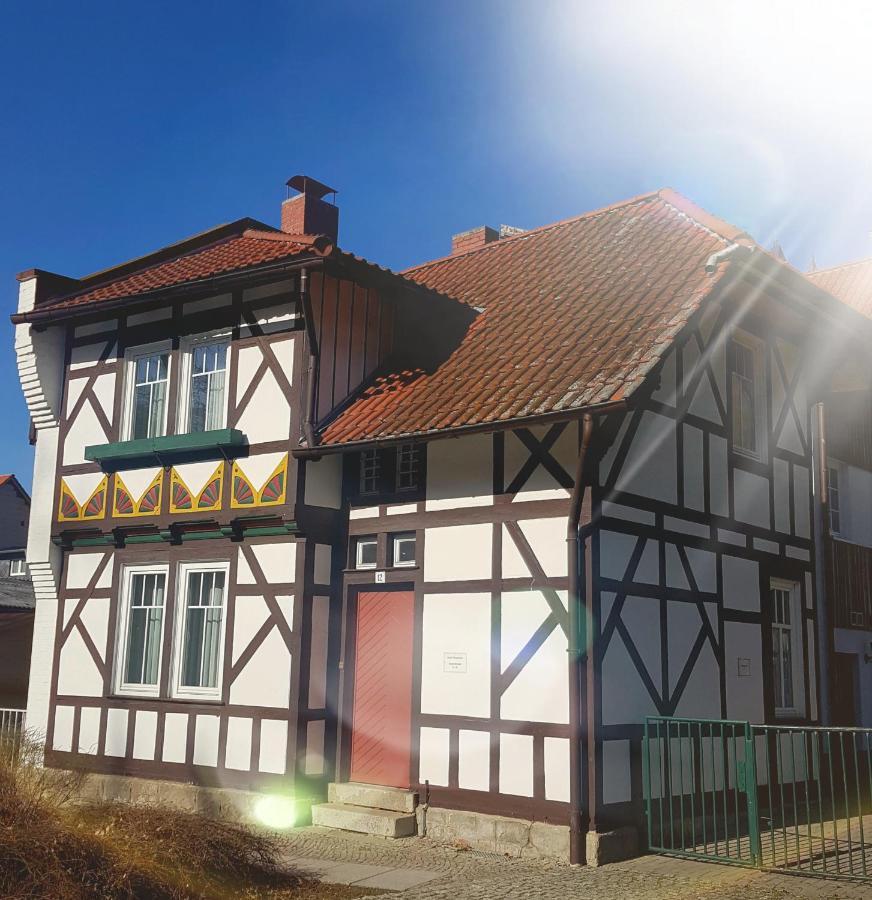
[128, 126]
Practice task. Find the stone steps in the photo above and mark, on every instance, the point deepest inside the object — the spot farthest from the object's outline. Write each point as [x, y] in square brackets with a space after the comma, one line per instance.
[366, 820]
[373, 795]
[368, 809]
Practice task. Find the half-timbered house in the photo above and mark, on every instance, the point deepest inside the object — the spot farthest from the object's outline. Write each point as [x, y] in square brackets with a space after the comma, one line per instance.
[444, 536]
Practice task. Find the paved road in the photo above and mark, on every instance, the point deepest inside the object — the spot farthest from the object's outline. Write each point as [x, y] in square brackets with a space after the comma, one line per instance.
[422, 868]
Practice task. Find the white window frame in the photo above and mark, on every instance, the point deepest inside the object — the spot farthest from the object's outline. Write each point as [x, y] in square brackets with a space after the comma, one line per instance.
[797, 661]
[757, 348]
[187, 345]
[131, 355]
[119, 685]
[14, 571]
[397, 539]
[358, 546]
[182, 571]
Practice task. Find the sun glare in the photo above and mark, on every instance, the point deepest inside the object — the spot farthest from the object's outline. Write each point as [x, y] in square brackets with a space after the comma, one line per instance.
[276, 811]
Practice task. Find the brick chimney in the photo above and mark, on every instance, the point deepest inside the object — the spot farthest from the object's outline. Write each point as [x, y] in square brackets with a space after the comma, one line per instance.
[308, 212]
[473, 239]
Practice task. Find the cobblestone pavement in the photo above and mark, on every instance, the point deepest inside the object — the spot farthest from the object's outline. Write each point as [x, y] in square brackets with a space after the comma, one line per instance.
[481, 876]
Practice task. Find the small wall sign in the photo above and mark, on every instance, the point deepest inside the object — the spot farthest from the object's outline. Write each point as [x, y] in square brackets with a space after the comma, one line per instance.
[454, 662]
[744, 667]
[379, 577]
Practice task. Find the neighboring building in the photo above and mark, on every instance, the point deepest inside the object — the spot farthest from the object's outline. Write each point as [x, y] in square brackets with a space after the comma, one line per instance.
[303, 520]
[16, 595]
[847, 497]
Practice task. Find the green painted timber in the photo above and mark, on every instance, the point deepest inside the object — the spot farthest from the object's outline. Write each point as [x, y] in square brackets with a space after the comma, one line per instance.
[170, 448]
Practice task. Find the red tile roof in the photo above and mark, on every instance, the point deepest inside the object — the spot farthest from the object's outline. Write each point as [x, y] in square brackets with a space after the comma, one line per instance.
[850, 283]
[572, 315]
[248, 248]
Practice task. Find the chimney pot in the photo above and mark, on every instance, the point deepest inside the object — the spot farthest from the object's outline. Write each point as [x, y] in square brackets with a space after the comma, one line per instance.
[308, 212]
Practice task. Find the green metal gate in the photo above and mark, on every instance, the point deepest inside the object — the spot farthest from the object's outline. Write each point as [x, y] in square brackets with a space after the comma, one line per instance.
[789, 798]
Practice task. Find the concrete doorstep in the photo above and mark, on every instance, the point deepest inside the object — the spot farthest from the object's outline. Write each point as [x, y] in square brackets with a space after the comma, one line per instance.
[386, 878]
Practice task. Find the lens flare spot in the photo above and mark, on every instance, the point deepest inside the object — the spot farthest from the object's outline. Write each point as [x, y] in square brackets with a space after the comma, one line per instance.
[276, 812]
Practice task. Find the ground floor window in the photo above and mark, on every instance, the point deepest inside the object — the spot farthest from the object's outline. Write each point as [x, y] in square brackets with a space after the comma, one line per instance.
[143, 596]
[198, 624]
[200, 629]
[787, 664]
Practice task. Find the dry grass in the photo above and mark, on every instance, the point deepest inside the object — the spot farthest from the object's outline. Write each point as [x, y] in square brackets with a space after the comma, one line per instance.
[53, 848]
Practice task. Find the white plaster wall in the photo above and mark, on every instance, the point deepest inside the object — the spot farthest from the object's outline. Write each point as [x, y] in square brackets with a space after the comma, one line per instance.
[206, 741]
[116, 732]
[801, 493]
[63, 728]
[741, 583]
[458, 552]
[616, 772]
[456, 693]
[277, 561]
[744, 693]
[547, 540]
[175, 741]
[237, 751]
[539, 693]
[473, 760]
[315, 763]
[89, 729]
[650, 467]
[460, 472]
[267, 416]
[324, 482]
[694, 471]
[266, 678]
[144, 734]
[78, 674]
[751, 498]
[516, 764]
[273, 746]
[433, 766]
[556, 769]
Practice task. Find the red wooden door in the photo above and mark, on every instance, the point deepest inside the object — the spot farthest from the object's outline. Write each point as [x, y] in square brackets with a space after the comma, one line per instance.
[381, 734]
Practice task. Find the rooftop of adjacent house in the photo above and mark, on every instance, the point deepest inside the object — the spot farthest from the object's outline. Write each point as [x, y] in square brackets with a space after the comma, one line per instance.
[16, 594]
[572, 315]
[851, 283]
[12, 481]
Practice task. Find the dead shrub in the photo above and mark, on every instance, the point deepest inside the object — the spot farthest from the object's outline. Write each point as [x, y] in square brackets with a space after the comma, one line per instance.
[54, 848]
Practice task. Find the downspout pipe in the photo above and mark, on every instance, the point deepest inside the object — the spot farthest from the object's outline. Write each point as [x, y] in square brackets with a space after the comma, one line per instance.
[822, 551]
[312, 365]
[576, 647]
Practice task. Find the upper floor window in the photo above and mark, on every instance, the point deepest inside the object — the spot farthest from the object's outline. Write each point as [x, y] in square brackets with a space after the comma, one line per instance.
[148, 380]
[206, 387]
[370, 471]
[745, 393]
[834, 499]
[787, 666]
[408, 467]
[17, 568]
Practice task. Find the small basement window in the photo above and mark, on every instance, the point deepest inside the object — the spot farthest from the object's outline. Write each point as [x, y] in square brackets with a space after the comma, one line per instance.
[365, 553]
[404, 549]
[17, 568]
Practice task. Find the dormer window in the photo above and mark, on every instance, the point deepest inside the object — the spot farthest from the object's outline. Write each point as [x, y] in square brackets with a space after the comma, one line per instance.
[370, 471]
[148, 380]
[408, 467]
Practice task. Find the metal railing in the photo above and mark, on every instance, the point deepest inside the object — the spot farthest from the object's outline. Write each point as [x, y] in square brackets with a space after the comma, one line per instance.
[11, 731]
[783, 797]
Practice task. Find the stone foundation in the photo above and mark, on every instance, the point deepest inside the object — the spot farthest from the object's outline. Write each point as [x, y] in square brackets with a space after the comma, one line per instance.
[611, 846]
[229, 804]
[495, 834]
